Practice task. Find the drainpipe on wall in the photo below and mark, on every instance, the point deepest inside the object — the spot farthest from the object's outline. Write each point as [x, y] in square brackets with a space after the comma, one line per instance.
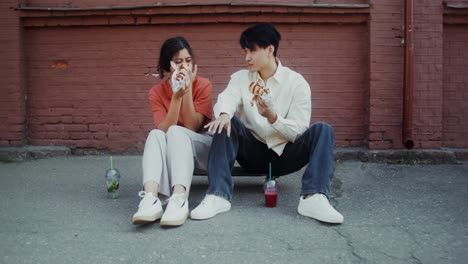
[408, 79]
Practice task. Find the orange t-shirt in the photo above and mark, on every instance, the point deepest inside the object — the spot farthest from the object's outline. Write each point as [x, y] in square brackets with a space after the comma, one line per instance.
[161, 94]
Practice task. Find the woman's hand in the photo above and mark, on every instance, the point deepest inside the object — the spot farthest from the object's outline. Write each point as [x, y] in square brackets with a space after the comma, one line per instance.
[178, 78]
[189, 74]
[185, 72]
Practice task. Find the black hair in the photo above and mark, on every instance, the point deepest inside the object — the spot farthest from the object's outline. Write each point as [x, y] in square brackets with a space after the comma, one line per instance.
[261, 35]
[168, 50]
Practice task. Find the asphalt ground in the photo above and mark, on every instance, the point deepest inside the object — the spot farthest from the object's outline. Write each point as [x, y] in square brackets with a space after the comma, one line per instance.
[56, 210]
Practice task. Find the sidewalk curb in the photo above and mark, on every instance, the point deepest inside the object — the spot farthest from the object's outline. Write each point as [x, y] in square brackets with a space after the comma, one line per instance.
[11, 154]
[400, 156]
[403, 156]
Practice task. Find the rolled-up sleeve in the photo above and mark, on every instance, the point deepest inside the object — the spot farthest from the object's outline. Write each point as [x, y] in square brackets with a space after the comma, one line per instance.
[297, 119]
[229, 99]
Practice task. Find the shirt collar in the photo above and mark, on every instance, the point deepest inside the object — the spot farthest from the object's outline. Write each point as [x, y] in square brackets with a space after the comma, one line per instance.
[278, 76]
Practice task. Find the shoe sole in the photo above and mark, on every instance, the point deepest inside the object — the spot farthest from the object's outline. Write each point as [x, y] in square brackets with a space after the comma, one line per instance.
[319, 218]
[174, 222]
[138, 220]
[222, 210]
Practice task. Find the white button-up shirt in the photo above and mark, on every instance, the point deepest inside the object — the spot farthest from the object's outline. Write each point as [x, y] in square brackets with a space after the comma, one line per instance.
[290, 94]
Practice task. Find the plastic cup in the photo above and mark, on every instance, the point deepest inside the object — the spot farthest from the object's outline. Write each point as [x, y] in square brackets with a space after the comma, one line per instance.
[271, 194]
[271, 197]
[112, 183]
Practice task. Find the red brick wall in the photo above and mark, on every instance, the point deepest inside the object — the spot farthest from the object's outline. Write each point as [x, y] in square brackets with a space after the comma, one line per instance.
[334, 60]
[87, 83]
[100, 3]
[88, 86]
[455, 83]
[386, 74]
[428, 51]
[12, 97]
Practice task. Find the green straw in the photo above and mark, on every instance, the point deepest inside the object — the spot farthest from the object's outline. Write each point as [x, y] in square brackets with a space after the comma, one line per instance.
[269, 172]
[111, 163]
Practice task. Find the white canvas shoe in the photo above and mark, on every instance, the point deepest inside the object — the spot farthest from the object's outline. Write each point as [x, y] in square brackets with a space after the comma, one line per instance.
[209, 207]
[149, 209]
[176, 211]
[318, 207]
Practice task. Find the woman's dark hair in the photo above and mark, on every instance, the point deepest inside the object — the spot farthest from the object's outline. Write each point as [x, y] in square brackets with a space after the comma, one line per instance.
[168, 50]
[261, 35]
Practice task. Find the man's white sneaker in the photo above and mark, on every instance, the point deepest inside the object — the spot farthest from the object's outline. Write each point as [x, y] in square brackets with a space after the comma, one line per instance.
[209, 207]
[149, 209]
[318, 207]
[176, 211]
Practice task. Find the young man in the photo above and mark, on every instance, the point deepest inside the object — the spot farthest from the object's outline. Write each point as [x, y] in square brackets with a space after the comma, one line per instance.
[273, 128]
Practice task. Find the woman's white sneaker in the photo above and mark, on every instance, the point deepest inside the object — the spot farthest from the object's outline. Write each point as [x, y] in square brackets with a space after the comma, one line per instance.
[209, 207]
[176, 211]
[318, 207]
[149, 209]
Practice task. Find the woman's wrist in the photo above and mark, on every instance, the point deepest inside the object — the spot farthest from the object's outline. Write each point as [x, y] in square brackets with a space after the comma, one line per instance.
[176, 98]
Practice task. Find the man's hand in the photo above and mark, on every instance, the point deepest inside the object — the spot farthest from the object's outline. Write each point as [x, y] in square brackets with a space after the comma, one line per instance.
[223, 121]
[264, 110]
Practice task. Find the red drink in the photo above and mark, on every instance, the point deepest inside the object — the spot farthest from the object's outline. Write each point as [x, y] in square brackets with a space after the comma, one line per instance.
[271, 196]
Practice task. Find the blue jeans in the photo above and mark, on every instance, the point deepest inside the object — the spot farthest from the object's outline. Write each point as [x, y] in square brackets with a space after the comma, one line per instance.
[314, 147]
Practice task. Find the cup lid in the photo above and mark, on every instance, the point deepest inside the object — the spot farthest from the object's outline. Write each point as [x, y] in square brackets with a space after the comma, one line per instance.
[271, 184]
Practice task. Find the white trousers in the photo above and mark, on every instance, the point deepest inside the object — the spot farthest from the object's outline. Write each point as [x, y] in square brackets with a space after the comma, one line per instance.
[170, 158]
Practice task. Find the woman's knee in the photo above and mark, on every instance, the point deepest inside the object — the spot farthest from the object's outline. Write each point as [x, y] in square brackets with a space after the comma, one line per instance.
[176, 131]
[156, 134]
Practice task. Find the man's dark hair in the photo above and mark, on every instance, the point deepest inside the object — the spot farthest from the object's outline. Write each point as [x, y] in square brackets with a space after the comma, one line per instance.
[168, 50]
[261, 35]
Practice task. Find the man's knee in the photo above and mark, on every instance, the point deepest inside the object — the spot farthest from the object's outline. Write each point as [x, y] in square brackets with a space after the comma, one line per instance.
[237, 126]
[322, 127]
[222, 135]
[235, 122]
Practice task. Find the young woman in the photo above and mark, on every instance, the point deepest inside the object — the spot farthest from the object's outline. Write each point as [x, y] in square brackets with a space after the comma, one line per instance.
[177, 143]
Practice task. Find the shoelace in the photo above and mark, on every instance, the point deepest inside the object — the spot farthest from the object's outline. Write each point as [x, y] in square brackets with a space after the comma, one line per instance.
[146, 202]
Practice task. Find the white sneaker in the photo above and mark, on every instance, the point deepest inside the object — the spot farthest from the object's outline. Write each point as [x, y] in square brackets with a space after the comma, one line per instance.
[149, 209]
[318, 207]
[209, 207]
[176, 211]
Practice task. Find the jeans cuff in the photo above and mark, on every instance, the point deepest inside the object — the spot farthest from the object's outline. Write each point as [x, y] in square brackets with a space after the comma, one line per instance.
[311, 191]
[222, 195]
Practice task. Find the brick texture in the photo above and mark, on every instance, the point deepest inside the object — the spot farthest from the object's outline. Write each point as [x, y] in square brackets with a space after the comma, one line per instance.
[100, 3]
[455, 86]
[12, 97]
[386, 74]
[88, 86]
[86, 76]
[428, 46]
